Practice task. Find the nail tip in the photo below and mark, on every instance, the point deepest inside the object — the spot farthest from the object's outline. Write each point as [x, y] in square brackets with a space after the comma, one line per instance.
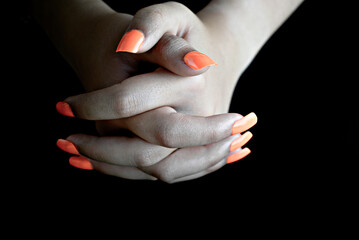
[241, 141]
[197, 60]
[64, 109]
[131, 42]
[244, 123]
[67, 146]
[80, 162]
[238, 156]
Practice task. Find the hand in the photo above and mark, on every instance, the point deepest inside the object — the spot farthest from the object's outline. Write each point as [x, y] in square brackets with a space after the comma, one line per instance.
[164, 126]
[88, 106]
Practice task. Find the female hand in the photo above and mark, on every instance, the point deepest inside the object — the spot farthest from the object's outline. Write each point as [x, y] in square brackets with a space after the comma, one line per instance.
[164, 125]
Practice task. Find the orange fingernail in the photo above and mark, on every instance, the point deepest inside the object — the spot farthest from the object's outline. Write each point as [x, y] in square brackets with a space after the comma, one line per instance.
[131, 42]
[244, 123]
[241, 141]
[238, 155]
[81, 162]
[197, 60]
[64, 109]
[67, 146]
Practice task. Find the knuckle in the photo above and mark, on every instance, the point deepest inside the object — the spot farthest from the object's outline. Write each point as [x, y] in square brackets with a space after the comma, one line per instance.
[166, 135]
[145, 158]
[142, 159]
[152, 14]
[176, 5]
[164, 175]
[126, 104]
[215, 131]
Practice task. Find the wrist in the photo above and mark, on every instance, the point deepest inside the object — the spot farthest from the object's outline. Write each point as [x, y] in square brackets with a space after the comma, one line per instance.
[245, 25]
[69, 23]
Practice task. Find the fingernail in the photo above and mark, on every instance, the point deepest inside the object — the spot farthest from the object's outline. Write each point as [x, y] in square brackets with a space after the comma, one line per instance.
[64, 109]
[241, 141]
[238, 155]
[80, 162]
[197, 60]
[131, 42]
[244, 123]
[67, 146]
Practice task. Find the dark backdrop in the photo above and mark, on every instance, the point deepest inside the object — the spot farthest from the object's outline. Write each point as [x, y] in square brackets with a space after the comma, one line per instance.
[301, 86]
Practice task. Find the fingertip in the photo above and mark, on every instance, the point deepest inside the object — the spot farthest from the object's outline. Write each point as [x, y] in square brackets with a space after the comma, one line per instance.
[81, 162]
[64, 109]
[197, 60]
[131, 42]
[67, 146]
[238, 155]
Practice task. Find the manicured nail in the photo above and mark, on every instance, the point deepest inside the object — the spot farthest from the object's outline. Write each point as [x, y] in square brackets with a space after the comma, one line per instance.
[67, 146]
[238, 155]
[131, 42]
[64, 109]
[244, 123]
[197, 60]
[81, 162]
[241, 141]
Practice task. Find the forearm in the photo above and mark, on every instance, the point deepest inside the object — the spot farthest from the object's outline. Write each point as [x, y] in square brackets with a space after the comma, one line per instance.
[245, 25]
[65, 22]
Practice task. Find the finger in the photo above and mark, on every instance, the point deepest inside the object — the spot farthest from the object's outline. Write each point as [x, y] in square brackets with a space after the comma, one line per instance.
[214, 168]
[134, 95]
[233, 157]
[193, 160]
[149, 25]
[86, 163]
[177, 55]
[166, 127]
[163, 27]
[115, 150]
[126, 172]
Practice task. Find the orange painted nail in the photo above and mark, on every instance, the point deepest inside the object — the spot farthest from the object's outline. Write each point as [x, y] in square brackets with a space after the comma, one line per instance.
[197, 60]
[241, 141]
[80, 162]
[64, 109]
[238, 155]
[67, 146]
[131, 42]
[244, 123]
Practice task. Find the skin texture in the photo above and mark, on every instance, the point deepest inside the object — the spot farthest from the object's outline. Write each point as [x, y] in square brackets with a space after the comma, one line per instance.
[177, 114]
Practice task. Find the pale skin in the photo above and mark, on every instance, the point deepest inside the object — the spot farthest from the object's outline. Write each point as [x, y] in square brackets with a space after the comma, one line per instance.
[179, 115]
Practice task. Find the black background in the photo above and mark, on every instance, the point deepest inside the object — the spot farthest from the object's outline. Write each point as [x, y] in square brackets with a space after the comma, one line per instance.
[301, 86]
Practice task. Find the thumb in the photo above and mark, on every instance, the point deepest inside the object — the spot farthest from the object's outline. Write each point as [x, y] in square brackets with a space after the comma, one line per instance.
[178, 56]
[163, 23]
[150, 23]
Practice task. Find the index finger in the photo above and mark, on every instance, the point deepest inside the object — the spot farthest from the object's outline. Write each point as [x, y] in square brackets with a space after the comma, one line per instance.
[133, 96]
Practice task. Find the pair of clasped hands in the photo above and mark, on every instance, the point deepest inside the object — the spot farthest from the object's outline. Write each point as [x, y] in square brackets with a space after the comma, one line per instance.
[176, 112]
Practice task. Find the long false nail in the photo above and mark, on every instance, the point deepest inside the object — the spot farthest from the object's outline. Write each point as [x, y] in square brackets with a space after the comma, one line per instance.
[197, 60]
[80, 162]
[64, 109]
[67, 146]
[241, 141]
[244, 123]
[131, 42]
[236, 156]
